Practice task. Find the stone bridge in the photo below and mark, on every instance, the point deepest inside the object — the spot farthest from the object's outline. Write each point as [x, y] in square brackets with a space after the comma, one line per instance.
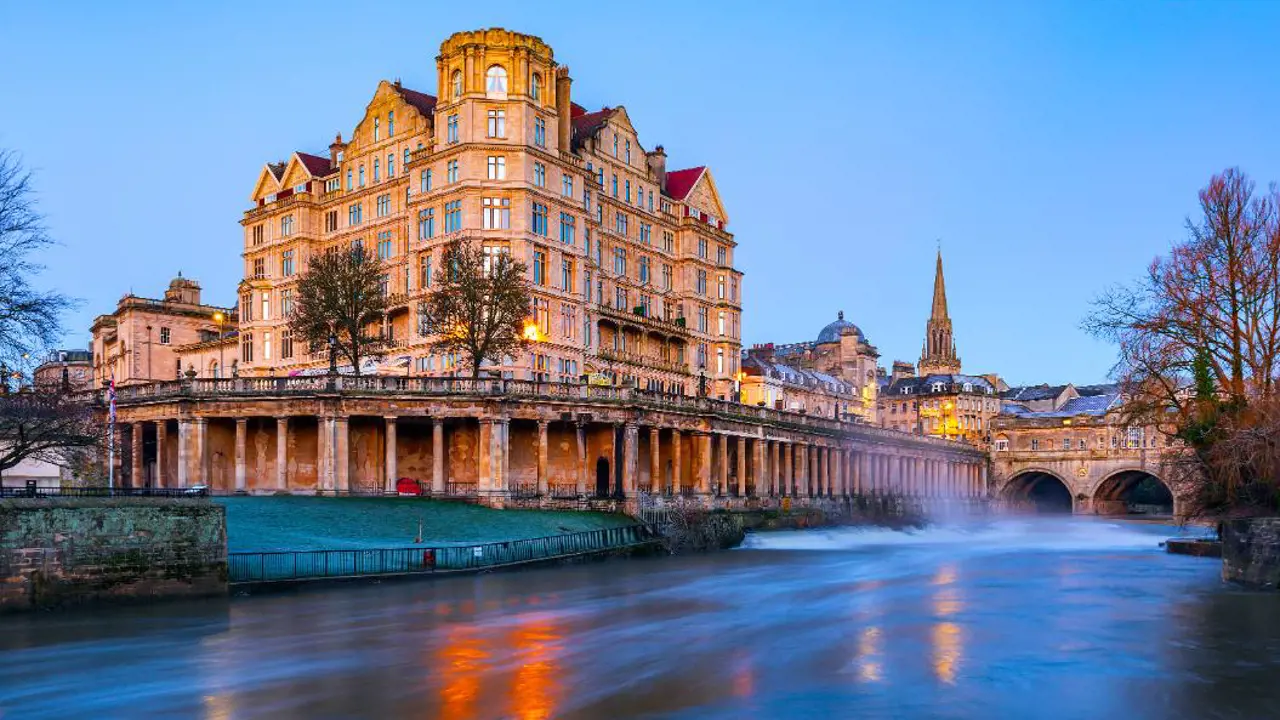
[1105, 481]
[495, 441]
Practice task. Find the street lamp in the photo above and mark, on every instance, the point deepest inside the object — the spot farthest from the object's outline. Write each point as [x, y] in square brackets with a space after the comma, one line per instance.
[220, 318]
[739, 378]
[702, 380]
[333, 354]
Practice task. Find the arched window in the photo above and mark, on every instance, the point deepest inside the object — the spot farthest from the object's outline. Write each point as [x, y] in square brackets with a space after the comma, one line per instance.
[457, 84]
[496, 82]
[968, 387]
[535, 87]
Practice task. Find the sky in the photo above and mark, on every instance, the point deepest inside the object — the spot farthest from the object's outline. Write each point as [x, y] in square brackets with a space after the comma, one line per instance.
[1052, 149]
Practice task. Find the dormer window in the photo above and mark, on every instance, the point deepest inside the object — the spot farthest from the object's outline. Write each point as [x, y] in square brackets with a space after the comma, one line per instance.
[535, 87]
[496, 82]
[906, 391]
[968, 387]
[937, 387]
[457, 84]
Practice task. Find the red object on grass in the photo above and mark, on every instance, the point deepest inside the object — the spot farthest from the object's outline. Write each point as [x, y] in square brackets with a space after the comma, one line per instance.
[408, 486]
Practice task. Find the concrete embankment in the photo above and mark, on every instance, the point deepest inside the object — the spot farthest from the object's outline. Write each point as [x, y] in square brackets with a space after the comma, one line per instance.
[65, 552]
[1251, 552]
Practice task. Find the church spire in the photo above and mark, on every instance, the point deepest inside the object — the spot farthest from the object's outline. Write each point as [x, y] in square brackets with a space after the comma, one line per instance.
[939, 354]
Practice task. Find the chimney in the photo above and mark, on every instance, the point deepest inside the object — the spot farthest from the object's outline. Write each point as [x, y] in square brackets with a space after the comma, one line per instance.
[563, 108]
[657, 159]
[335, 149]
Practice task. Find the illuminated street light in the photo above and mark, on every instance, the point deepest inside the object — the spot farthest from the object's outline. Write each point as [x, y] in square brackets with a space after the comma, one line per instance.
[219, 318]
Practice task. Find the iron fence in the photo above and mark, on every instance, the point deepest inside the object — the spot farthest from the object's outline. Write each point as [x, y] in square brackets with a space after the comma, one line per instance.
[101, 492]
[288, 566]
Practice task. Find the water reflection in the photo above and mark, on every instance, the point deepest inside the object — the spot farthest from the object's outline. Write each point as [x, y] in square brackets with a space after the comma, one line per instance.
[536, 686]
[946, 635]
[461, 662]
[869, 664]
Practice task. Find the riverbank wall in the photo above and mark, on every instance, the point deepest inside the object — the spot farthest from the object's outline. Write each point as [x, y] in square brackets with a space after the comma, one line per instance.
[65, 552]
[1251, 552]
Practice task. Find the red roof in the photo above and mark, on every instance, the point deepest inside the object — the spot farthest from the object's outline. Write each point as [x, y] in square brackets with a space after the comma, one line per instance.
[426, 104]
[575, 110]
[586, 124]
[680, 182]
[316, 165]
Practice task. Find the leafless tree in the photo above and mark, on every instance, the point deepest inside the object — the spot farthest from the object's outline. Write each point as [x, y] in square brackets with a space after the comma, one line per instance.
[30, 319]
[480, 305]
[46, 423]
[340, 295]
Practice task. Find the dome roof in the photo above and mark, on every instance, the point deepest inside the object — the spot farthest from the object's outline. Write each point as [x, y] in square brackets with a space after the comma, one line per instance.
[832, 332]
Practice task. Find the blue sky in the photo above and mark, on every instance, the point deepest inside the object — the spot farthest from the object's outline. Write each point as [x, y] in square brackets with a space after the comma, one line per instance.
[1054, 148]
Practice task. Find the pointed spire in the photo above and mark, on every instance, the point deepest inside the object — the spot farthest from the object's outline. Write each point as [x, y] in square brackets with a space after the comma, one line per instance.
[939, 293]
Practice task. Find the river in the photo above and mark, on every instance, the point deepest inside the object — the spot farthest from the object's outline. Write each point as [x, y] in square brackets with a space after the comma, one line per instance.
[1052, 618]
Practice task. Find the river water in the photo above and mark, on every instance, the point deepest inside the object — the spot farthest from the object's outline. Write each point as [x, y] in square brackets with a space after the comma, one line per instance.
[1052, 618]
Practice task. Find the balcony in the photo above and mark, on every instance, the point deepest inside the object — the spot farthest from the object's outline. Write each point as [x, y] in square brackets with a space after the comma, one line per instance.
[643, 360]
[676, 327]
[280, 205]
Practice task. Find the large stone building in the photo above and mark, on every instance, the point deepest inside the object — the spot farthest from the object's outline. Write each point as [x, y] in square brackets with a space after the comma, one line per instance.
[939, 401]
[631, 265]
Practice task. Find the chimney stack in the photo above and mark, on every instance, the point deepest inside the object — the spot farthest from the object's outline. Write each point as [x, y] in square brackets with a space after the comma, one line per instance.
[563, 108]
[657, 159]
[335, 149]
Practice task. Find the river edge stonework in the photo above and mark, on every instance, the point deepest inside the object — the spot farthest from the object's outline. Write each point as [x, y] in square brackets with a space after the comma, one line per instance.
[1251, 552]
[66, 552]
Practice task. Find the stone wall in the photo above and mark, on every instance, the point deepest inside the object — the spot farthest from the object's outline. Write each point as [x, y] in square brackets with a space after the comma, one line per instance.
[1251, 552]
[75, 551]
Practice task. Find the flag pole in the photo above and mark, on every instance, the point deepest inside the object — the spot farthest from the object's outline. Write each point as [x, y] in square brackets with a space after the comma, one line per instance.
[111, 437]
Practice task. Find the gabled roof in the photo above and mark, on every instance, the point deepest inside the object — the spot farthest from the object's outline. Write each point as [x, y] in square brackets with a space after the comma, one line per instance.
[277, 170]
[586, 124]
[424, 103]
[316, 165]
[923, 384]
[680, 182]
[1029, 393]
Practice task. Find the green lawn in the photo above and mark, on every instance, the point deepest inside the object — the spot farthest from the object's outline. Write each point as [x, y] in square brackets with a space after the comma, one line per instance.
[310, 523]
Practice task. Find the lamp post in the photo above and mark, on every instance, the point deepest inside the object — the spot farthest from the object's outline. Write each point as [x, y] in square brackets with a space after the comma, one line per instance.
[702, 380]
[219, 318]
[945, 407]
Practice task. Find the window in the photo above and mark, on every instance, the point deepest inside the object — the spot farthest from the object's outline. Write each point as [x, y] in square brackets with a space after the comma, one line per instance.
[719, 361]
[496, 82]
[405, 162]
[266, 346]
[540, 219]
[491, 253]
[451, 171]
[644, 269]
[286, 226]
[497, 123]
[620, 261]
[497, 213]
[1066, 443]
[331, 221]
[700, 284]
[497, 167]
[357, 246]
[391, 165]
[457, 84]
[720, 287]
[615, 185]
[566, 275]
[620, 302]
[391, 127]
[539, 174]
[375, 170]
[666, 276]
[266, 306]
[702, 248]
[385, 250]
[286, 263]
[720, 322]
[426, 224]
[668, 242]
[424, 271]
[256, 234]
[361, 176]
[355, 214]
[567, 228]
[377, 135]
[535, 87]
[286, 344]
[453, 216]
[348, 180]
[627, 195]
[650, 201]
[542, 313]
[566, 185]
[165, 336]
[702, 319]
[451, 131]
[1002, 444]
[615, 147]
[620, 223]
[246, 347]
[286, 304]
[646, 232]
[733, 289]
[539, 267]
[424, 181]
[1082, 444]
[540, 132]
[384, 285]
[259, 268]
[384, 205]
[246, 307]
[1035, 443]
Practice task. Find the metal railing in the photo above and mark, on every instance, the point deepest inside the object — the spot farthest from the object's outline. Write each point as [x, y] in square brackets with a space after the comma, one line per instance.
[287, 566]
[500, 387]
[101, 492]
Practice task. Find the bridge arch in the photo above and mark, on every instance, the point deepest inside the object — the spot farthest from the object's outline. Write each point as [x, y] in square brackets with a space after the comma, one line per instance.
[1042, 489]
[1130, 491]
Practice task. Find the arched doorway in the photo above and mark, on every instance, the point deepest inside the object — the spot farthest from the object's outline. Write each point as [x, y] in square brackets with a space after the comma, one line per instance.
[1133, 492]
[602, 477]
[1041, 491]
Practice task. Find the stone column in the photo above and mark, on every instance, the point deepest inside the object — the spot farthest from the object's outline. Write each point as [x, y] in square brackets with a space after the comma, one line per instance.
[742, 466]
[391, 472]
[759, 469]
[544, 482]
[983, 482]
[242, 437]
[324, 455]
[676, 480]
[580, 437]
[775, 472]
[485, 457]
[202, 452]
[504, 425]
[655, 461]
[184, 452]
[437, 456]
[135, 452]
[802, 470]
[790, 461]
[162, 447]
[342, 454]
[282, 453]
[722, 473]
[829, 457]
[702, 474]
[630, 459]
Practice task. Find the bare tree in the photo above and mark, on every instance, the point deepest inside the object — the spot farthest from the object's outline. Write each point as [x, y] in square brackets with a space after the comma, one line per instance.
[340, 296]
[29, 318]
[46, 422]
[480, 305]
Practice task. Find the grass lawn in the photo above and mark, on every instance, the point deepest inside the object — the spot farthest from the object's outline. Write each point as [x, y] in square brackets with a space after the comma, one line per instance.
[311, 523]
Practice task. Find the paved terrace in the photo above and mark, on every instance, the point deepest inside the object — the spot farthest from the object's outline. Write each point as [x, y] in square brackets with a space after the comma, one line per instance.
[495, 439]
